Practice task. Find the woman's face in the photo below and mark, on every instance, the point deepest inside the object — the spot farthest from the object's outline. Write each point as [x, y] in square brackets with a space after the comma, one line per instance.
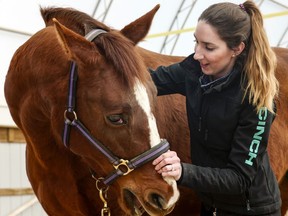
[216, 59]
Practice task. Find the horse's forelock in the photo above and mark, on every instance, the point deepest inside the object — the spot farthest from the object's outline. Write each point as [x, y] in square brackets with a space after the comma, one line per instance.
[120, 52]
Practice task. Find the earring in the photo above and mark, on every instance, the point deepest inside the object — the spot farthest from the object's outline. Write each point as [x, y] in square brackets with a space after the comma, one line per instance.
[233, 55]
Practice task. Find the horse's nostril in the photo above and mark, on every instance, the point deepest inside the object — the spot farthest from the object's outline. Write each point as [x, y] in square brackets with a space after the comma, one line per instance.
[157, 200]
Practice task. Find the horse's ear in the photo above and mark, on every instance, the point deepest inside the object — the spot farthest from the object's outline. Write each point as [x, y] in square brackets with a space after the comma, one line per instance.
[74, 45]
[137, 30]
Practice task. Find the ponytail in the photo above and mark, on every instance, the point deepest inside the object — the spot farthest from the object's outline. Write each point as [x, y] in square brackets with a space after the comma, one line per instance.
[260, 66]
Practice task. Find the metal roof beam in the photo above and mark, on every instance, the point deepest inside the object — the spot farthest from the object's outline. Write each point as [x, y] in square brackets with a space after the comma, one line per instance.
[169, 38]
[281, 40]
[105, 6]
[16, 31]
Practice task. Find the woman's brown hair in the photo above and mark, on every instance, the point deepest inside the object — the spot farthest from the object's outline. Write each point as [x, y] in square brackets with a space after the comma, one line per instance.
[244, 23]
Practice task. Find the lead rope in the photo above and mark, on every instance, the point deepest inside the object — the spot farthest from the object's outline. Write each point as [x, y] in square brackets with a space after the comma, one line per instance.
[105, 211]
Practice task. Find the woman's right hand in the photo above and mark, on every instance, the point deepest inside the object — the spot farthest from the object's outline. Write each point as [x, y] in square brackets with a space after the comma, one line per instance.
[168, 164]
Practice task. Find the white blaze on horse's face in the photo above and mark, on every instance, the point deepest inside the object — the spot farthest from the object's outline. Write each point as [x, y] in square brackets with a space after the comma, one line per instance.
[143, 100]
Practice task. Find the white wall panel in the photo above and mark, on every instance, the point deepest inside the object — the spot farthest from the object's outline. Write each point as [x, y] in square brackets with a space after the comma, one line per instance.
[13, 175]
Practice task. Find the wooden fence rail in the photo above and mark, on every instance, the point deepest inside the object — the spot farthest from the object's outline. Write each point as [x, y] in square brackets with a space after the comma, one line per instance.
[15, 191]
[11, 135]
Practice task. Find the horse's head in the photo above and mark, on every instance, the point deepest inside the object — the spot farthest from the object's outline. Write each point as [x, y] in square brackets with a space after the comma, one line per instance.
[113, 105]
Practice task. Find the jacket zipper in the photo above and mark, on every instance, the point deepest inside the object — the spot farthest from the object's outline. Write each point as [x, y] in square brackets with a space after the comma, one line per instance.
[200, 124]
[248, 205]
[247, 200]
[200, 116]
[215, 212]
[201, 121]
[206, 135]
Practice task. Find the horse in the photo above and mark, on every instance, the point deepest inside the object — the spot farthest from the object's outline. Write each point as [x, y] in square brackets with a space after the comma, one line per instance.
[86, 108]
[61, 176]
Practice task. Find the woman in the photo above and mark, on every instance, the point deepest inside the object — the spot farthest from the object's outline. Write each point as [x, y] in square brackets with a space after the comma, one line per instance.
[229, 84]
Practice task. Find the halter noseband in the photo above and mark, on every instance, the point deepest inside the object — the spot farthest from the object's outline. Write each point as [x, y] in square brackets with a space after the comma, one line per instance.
[122, 167]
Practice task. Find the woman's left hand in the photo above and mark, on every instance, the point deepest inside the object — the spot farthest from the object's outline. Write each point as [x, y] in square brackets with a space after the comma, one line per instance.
[168, 164]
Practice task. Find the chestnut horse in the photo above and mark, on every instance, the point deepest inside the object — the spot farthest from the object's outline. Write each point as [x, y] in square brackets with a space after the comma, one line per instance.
[86, 108]
[109, 68]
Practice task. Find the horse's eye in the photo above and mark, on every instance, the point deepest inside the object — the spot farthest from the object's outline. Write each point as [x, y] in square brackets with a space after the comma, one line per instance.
[117, 119]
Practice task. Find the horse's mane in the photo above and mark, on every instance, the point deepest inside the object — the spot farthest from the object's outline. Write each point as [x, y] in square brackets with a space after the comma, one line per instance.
[118, 50]
[75, 20]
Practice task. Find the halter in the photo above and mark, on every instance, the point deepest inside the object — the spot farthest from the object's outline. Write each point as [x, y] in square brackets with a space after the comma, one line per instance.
[121, 166]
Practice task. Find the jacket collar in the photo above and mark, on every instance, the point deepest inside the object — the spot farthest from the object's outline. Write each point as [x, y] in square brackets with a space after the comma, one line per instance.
[208, 85]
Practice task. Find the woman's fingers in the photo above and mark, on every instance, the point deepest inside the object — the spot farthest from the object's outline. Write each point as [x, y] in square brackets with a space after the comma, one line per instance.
[168, 164]
[165, 159]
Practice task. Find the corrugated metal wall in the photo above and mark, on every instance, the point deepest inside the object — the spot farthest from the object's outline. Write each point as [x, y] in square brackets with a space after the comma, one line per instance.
[16, 196]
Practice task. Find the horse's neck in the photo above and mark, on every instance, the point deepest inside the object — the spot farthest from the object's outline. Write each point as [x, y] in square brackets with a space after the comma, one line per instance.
[153, 59]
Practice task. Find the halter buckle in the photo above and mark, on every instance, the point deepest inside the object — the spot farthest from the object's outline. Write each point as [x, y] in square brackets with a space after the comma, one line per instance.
[70, 116]
[123, 166]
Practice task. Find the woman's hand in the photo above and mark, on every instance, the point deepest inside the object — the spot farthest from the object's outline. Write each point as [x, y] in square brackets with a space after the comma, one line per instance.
[168, 164]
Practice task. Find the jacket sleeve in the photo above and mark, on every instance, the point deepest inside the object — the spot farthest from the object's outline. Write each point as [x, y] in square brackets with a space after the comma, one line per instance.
[172, 79]
[248, 148]
[169, 80]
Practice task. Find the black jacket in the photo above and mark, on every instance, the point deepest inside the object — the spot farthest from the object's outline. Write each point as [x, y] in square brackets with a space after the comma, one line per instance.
[230, 167]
